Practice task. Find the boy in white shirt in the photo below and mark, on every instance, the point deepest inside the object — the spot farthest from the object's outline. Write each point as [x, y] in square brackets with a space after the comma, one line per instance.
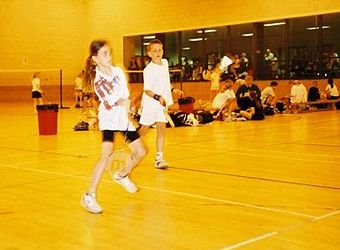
[225, 100]
[156, 98]
[298, 95]
[268, 94]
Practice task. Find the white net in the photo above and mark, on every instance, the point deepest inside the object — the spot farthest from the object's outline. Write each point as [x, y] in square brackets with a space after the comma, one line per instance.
[24, 77]
[16, 85]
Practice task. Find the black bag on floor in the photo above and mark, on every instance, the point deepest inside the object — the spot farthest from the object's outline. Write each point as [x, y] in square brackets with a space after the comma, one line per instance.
[280, 106]
[204, 117]
[268, 110]
[81, 126]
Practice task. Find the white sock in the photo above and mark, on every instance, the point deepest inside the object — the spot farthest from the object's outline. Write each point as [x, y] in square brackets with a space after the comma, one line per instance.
[159, 156]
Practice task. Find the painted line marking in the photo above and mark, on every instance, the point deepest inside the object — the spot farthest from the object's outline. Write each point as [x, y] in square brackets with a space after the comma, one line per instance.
[196, 196]
[252, 240]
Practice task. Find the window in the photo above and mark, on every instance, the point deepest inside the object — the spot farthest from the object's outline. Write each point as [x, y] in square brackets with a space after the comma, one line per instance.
[290, 48]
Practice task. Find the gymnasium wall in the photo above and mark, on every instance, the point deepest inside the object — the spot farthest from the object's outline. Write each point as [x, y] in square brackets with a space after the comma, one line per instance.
[114, 19]
[54, 34]
[40, 34]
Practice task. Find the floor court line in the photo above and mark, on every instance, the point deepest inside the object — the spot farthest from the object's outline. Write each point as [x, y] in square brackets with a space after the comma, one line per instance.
[336, 212]
[257, 178]
[249, 241]
[286, 229]
[302, 158]
[196, 196]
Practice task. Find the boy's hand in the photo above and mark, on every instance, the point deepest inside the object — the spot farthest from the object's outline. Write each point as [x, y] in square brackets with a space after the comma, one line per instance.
[162, 101]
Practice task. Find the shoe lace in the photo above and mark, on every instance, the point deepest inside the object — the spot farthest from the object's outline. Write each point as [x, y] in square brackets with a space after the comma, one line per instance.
[92, 199]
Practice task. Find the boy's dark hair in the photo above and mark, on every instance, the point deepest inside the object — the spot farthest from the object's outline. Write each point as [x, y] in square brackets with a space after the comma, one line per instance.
[273, 83]
[330, 82]
[152, 42]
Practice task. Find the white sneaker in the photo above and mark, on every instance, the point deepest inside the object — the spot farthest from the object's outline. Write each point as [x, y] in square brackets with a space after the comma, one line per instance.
[241, 119]
[89, 202]
[230, 119]
[125, 182]
[161, 164]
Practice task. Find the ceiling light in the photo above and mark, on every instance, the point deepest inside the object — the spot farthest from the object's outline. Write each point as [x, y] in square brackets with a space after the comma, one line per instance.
[197, 39]
[145, 44]
[149, 37]
[206, 31]
[247, 34]
[316, 27]
[274, 24]
[186, 48]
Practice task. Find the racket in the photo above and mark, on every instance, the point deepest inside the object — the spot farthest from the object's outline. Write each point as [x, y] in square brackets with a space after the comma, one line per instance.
[168, 117]
[117, 161]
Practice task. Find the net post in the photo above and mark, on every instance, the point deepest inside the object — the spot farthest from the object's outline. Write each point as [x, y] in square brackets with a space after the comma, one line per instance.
[61, 89]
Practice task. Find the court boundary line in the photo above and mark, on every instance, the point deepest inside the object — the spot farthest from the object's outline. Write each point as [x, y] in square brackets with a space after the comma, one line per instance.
[196, 196]
[257, 178]
[251, 240]
[286, 229]
[310, 218]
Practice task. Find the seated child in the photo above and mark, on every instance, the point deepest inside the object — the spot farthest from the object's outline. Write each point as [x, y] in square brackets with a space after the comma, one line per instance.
[225, 101]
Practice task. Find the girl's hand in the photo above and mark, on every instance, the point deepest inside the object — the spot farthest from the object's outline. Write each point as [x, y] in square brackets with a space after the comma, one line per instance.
[122, 102]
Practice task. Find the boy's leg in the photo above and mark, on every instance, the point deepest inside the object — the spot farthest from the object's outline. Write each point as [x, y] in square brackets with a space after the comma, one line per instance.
[159, 161]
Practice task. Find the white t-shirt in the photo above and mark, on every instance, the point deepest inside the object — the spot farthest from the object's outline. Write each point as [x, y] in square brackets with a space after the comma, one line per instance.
[157, 80]
[332, 91]
[220, 98]
[109, 90]
[36, 84]
[298, 94]
[267, 92]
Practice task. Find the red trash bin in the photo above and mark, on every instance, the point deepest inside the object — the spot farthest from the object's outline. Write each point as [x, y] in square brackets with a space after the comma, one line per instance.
[48, 119]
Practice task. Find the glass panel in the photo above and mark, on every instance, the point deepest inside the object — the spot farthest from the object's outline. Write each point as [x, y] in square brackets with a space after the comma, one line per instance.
[192, 51]
[312, 42]
[331, 44]
[273, 44]
[171, 53]
[215, 44]
[303, 52]
[240, 46]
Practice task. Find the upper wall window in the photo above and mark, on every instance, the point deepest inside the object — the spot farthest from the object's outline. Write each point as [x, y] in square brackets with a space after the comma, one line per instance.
[287, 48]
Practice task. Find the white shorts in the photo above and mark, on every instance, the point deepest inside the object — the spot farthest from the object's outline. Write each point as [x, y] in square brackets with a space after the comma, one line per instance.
[149, 116]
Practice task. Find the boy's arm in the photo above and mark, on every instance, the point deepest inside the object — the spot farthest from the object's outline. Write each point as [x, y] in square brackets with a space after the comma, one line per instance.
[156, 97]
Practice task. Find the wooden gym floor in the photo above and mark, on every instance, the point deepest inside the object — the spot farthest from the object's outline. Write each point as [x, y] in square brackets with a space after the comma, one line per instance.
[273, 184]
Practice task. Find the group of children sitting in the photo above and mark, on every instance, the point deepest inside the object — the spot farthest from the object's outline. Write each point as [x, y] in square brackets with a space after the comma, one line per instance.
[248, 103]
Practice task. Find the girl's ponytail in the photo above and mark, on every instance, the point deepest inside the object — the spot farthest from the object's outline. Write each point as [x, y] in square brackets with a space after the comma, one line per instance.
[90, 67]
[90, 72]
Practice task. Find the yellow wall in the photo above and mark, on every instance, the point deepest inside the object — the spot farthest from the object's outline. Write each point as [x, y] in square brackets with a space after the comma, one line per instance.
[37, 34]
[115, 19]
[40, 34]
